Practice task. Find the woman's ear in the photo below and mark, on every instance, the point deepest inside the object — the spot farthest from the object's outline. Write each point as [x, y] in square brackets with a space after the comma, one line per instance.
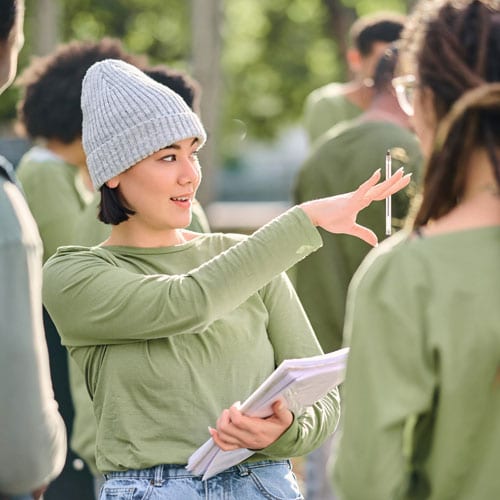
[353, 57]
[113, 182]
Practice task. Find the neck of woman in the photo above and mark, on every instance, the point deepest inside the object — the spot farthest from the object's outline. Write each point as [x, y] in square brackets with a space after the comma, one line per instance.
[132, 234]
[480, 204]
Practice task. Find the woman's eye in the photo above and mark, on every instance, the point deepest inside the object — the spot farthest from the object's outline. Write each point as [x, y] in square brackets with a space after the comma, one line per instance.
[168, 158]
[195, 155]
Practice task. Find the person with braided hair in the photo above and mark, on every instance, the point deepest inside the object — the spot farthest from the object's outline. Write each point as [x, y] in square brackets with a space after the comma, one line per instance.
[422, 389]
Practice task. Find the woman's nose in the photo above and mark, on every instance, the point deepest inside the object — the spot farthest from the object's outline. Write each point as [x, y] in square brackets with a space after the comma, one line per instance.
[190, 171]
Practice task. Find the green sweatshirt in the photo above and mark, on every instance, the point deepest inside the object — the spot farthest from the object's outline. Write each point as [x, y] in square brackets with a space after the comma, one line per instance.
[168, 337]
[90, 231]
[338, 163]
[56, 196]
[422, 390]
[66, 214]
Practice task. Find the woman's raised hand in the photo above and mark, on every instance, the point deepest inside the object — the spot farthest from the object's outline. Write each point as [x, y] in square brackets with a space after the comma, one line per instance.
[337, 214]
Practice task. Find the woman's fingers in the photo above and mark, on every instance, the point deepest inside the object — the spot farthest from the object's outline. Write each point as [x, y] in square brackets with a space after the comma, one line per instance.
[365, 234]
[390, 186]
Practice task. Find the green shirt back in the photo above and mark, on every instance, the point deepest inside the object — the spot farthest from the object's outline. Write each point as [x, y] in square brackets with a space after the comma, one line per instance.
[422, 390]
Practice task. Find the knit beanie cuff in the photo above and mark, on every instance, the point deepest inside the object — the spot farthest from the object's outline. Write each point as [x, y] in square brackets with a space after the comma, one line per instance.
[123, 151]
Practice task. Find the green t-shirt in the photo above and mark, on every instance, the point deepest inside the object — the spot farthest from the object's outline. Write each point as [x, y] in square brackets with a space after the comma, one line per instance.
[422, 390]
[338, 163]
[325, 107]
[168, 337]
[56, 196]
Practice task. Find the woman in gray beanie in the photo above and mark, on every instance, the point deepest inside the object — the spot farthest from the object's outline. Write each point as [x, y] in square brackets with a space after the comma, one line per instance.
[170, 327]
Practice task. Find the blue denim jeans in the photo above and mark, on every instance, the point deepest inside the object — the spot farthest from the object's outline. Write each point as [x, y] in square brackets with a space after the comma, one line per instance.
[259, 480]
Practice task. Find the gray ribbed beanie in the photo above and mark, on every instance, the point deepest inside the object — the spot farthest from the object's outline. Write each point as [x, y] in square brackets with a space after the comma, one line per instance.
[127, 116]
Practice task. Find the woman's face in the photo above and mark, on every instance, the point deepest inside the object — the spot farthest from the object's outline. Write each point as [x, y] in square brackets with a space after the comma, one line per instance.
[161, 188]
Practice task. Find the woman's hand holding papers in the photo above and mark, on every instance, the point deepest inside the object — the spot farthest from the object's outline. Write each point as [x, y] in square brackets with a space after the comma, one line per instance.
[235, 430]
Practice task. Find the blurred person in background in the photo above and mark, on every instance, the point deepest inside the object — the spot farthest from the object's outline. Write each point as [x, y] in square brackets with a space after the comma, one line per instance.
[32, 433]
[333, 103]
[338, 162]
[422, 390]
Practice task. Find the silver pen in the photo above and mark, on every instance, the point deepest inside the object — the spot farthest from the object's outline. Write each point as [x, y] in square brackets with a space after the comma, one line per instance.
[388, 214]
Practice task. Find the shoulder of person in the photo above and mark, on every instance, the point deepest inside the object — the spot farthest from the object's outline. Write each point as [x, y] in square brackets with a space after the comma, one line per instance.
[328, 91]
[395, 259]
[225, 240]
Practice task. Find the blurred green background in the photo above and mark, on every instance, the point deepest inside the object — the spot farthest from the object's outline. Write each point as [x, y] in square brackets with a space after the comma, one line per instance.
[255, 59]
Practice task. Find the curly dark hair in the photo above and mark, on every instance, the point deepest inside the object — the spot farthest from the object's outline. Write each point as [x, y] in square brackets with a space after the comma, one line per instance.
[8, 14]
[51, 86]
[178, 81]
[453, 48]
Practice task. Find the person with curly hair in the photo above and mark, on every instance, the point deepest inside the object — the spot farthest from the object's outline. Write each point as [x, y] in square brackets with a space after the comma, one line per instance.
[422, 388]
[54, 173]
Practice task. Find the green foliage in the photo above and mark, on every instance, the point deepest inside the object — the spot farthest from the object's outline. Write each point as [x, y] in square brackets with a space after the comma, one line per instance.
[274, 51]
[158, 28]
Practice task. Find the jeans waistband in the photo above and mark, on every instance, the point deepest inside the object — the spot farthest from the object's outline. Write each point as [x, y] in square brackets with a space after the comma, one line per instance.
[160, 473]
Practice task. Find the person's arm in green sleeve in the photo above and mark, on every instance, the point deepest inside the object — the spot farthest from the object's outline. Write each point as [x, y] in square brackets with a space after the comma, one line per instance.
[110, 311]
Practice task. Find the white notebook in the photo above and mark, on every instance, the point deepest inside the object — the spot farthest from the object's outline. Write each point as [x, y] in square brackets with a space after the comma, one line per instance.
[300, 382]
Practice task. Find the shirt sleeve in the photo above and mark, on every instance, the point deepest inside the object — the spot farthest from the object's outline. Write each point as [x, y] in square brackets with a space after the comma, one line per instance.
[123, 306]
[390, 382]
[292, 337]
[32, 433]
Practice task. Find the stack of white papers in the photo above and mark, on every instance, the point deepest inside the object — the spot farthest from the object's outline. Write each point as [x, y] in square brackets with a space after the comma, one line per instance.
[299, 382]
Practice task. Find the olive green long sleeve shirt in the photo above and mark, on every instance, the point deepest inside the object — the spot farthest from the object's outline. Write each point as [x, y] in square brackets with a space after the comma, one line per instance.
[169, 337]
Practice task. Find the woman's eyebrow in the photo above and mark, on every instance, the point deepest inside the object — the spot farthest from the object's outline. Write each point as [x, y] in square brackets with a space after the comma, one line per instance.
[175, 146]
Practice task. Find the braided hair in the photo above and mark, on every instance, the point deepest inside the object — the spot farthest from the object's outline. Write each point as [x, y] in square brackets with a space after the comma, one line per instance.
[453, 46]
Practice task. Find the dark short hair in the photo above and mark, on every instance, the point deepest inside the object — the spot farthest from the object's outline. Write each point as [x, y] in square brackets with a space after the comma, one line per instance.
[112, 209]
[51, 87]
[178, 81]
[8, 14]
[381, 27]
